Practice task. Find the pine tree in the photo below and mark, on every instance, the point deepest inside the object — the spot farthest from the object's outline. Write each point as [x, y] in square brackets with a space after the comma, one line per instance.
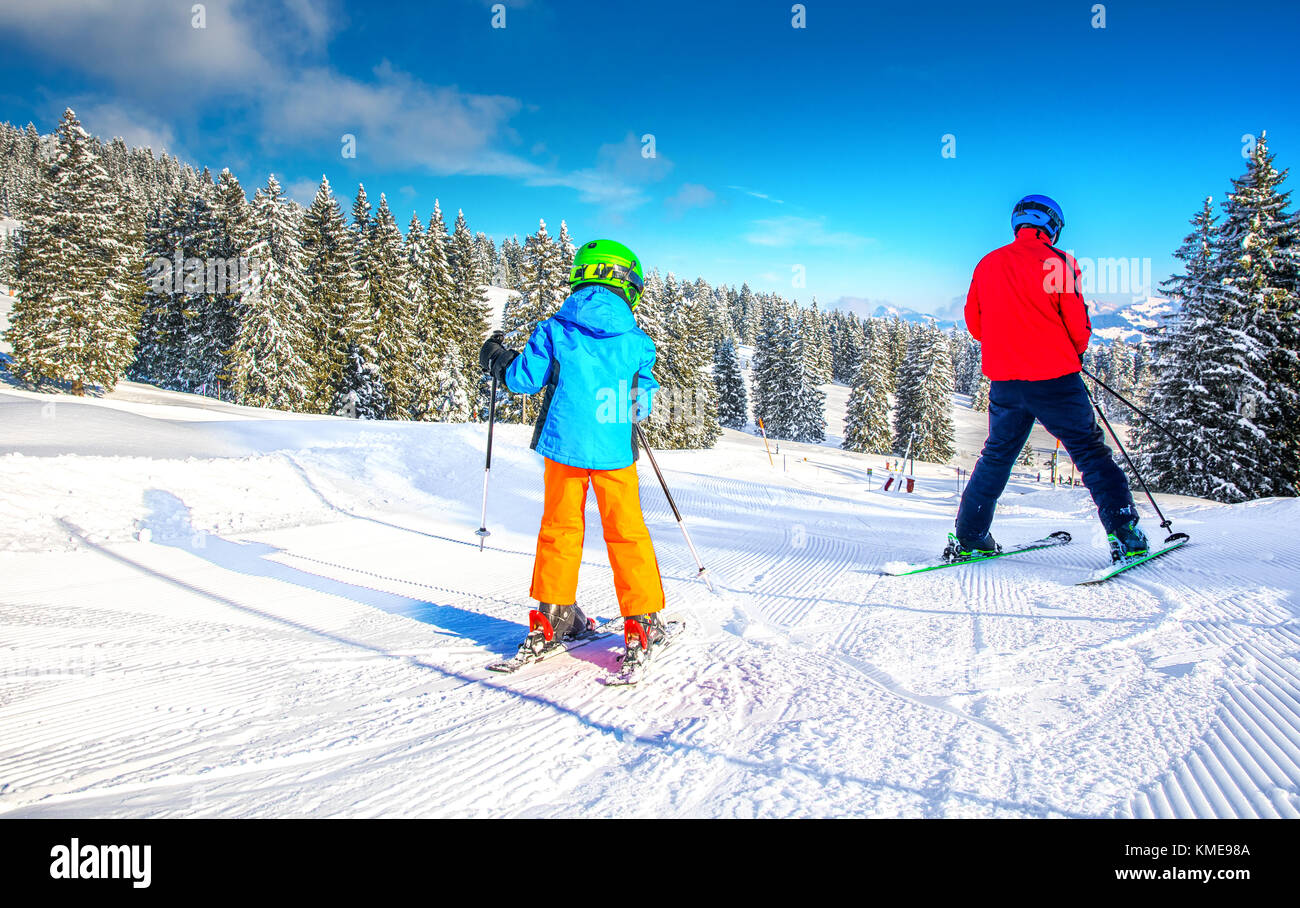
[1224, 371]
[8, 260]
[78, 281]
[980, 402]
[270, 368]
[543, 286]
[159, 354]
[1260, 252]
[809, 418]
[361, 328]
[921, 417]
[361, 393]
[391, 312]
[777, 374]
[450, 400]
[866, 420]
[333, 295]
[437, 394]
[469, 302]
[698, 420]
[232, 235]
[733, 403]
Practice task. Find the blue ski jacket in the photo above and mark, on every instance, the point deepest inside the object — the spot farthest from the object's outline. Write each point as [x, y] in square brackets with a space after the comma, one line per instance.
[594, 363]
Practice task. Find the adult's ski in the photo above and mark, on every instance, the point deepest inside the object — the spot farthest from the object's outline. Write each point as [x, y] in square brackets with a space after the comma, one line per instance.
[896, 569]
[601, 630]
[1103, 574]
[634, 663]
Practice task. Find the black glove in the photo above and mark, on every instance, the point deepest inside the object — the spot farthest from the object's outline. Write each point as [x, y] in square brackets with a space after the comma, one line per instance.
[494, 358]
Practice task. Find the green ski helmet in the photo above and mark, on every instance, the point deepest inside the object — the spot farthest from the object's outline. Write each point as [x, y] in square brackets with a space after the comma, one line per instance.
[609, 264]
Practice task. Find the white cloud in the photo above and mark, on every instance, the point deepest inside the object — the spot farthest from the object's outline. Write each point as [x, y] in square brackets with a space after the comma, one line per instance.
[690, 195]
[791, 230]
[148, 47]
[302, 191]
[109, 120]
[257, 58]
[397, 120]
[758, 195]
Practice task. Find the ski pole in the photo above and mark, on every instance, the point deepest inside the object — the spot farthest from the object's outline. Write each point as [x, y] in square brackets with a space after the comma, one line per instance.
[1165, 522]
[672, 504]
[1134, 407]
[482, 532]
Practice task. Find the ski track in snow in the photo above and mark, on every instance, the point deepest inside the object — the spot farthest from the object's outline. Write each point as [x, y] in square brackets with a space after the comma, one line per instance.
[306, 635]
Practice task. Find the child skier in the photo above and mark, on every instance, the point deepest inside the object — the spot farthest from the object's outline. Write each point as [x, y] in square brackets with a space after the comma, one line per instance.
[594, 363]
[1026, 309]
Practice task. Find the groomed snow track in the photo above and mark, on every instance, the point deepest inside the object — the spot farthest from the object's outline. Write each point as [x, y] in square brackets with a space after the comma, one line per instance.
[306, 634]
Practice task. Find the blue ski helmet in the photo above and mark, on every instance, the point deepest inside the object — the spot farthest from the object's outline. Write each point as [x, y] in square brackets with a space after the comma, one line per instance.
[1038, 211]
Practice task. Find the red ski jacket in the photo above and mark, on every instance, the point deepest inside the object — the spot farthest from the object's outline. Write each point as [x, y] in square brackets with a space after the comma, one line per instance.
[1026, 308]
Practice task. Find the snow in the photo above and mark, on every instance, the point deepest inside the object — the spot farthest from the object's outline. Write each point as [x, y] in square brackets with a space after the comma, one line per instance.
[221, 611]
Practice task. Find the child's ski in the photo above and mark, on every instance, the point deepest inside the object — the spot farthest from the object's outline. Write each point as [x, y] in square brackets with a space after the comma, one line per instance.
[633, 670]
[901, 570]
[519, 660]
[1119, 567]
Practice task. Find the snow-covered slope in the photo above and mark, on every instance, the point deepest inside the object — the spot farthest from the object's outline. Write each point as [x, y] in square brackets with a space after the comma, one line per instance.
[294, 622]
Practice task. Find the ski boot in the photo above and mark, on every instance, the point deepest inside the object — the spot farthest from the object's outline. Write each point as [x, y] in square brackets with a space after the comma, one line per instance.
[1127, 543]
[956, 550]
[640, 633]
[549, 625]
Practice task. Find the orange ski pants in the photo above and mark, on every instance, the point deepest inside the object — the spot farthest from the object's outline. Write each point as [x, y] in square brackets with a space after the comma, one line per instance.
[559, 542]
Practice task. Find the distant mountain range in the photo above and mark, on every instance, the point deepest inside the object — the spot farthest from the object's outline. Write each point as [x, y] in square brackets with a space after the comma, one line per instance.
[1110, 321]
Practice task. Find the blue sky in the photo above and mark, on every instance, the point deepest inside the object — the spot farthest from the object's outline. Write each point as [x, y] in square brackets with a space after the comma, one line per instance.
[775, 146]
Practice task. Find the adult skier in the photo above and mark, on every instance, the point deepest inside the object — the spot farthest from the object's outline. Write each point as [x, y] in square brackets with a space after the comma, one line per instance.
[1026, 310]
[594, 364]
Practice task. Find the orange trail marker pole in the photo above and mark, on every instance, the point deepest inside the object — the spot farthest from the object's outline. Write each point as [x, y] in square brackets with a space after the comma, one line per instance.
[769, 450]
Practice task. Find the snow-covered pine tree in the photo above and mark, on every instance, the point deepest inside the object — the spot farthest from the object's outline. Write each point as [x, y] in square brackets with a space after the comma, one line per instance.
[723, 325]
[1223, 367]
[232, 235]
[451, 401]
[1183, 396]
[8, 260]
[270, 369]
[747, 315]
[486, 250]
[848, 345]
[79, 282]
[867, 418]
[1259, 249]
[654, 319]
[809, 418]
[698, 416]
[668, 428]
[392, 313]
[777, 373]
[733, 403]
[567, 250]
[438, 395]
[980, 401]
[469, 304]
[161, 332]
[543, 286]
[361, 328]
[925, 398]
[511, 263]
[203, 353]
[361, 393]
[333, 295]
